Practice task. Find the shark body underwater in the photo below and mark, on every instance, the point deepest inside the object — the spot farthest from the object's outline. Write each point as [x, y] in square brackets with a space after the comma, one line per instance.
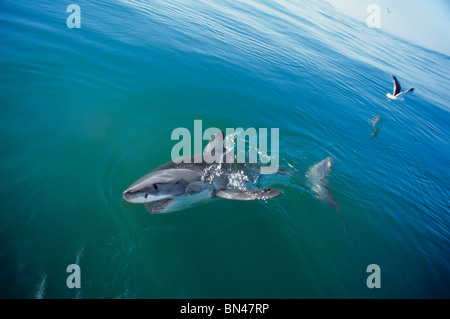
[175, 186]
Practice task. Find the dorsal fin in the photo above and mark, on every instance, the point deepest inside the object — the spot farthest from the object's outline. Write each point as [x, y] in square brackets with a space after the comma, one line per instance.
[215, 150]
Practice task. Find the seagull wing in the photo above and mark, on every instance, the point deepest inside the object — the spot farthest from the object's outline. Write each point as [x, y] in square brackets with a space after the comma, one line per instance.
[397, 87]
[401, 95]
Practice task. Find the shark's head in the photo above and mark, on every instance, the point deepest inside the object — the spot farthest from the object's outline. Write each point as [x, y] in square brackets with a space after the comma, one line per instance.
[166, 183]
[151, 193]
[158, 185]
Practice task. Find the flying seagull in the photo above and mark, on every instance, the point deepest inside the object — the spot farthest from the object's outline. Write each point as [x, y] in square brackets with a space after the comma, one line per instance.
[397, 95]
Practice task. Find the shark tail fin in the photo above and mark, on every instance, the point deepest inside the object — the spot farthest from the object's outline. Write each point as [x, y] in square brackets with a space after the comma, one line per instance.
[318, 177]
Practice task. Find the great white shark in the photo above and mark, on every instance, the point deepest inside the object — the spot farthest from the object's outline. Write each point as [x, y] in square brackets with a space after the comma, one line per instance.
[175, 186]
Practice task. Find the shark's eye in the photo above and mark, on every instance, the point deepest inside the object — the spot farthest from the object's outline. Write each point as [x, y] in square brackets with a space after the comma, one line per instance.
[155, 187]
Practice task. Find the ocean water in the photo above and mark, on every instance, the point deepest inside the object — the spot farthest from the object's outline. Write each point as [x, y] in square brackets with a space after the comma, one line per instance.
[84, 112]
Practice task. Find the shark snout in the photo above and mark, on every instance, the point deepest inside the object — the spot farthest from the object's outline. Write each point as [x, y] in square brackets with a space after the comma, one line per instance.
[126, 195]
[135, 197]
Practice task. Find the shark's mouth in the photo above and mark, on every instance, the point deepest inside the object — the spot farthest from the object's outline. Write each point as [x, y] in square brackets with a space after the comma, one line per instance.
[158, 206]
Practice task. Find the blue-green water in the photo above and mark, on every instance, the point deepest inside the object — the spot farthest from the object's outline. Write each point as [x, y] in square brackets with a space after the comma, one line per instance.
[85, 112]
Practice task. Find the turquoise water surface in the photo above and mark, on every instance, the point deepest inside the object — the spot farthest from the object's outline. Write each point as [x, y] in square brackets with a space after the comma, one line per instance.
[84, 112]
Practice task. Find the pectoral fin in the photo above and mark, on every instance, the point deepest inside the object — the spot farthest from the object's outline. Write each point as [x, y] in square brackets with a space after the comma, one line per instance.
[250, 194]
